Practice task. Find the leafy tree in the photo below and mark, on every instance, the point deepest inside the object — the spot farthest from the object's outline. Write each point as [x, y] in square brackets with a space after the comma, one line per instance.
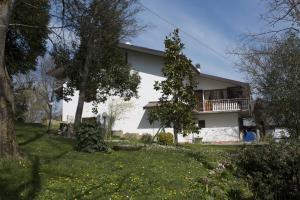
[275, 77]
[178, 100]
[270, 60]
[26, 35]
[97, 68]
[16, 54]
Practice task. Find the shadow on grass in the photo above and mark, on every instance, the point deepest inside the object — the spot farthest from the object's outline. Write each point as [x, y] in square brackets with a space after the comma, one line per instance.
[48, 161]
[30, 189]
[27, 190]
[36, 137]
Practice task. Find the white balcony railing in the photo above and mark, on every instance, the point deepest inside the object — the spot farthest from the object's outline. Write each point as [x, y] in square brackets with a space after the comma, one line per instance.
[240, 104]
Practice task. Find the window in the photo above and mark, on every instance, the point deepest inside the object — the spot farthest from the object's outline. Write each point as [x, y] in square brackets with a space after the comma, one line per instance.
[201, 124]
[214, 94]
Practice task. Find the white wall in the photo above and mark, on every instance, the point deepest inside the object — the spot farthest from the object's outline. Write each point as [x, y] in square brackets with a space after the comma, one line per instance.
[219, 127]
[135, 121]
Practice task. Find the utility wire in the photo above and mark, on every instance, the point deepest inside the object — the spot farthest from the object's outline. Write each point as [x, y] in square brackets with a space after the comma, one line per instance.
[185, 32]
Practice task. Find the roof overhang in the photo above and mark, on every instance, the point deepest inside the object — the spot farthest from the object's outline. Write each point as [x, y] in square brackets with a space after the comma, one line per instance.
[162, 54]
[59, 72]
[234, 82]
[142, 49]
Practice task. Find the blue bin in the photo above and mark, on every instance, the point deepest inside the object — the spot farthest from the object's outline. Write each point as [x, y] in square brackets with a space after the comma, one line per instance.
[249, 136]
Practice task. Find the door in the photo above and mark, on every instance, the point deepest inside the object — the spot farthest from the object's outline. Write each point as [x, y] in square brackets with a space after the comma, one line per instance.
[199, 100]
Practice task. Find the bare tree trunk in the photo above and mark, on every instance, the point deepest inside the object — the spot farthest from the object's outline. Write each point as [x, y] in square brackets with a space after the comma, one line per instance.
[176, 131]
[8, 144]
[82, 93]
[50, 104]
[50, 118]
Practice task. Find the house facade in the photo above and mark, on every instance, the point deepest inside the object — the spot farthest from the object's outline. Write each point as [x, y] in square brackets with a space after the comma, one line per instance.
[221, 103]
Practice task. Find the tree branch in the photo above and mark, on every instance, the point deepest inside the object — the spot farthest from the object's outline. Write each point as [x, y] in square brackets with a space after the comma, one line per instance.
[276, 31]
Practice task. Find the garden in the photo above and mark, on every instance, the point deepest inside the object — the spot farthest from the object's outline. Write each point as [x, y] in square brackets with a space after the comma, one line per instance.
[52, 169]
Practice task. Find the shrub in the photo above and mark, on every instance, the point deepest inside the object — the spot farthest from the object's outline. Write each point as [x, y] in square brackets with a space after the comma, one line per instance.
[90, 138]
[273, 171]
[165, 138]
[147, 138]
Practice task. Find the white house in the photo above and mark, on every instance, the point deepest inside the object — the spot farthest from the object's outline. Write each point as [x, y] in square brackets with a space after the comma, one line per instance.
[220, 102]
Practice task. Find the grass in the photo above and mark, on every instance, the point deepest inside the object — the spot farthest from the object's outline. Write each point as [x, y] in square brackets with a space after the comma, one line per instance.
[51, 169]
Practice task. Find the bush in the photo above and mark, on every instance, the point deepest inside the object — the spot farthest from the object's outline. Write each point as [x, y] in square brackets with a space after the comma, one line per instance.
[273, 171]
[90, 138]
[165, 138]
[147, 138]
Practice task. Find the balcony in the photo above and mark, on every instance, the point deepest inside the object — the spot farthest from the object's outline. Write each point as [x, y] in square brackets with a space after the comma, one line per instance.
[221, 105]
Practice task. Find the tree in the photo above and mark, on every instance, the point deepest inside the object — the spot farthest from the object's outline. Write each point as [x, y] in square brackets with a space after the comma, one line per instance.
[270, 60]
[178, 99]
[98, 68]
[34, 93]
[18, 43]
[275, 77]
[282, 15]
[8, 145]
[27, 104]
[46, 87]
[116, 111]
[260, 115]
[26, 35]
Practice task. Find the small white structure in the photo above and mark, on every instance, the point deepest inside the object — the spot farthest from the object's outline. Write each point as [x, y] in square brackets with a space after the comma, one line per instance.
[220, 102]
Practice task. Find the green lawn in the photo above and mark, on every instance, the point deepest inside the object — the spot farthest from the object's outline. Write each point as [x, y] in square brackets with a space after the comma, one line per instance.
[51, 169]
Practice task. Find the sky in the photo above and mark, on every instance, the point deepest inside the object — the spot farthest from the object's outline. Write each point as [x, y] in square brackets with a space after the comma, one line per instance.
[205, 25]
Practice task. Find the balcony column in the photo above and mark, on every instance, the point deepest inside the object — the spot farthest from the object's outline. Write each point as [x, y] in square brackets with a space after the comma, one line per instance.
[203, 104]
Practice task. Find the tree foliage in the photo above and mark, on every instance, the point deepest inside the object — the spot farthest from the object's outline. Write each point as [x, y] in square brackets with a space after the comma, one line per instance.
[19, 49]
[271, 60]
[26, 35]
[177, 100]
[97, 67]
[275, 77]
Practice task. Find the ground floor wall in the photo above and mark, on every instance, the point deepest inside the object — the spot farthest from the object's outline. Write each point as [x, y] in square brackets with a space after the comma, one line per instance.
[219, 127]
[132, 119]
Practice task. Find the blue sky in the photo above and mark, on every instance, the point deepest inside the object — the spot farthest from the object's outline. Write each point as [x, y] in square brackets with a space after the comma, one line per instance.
[217, 23]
